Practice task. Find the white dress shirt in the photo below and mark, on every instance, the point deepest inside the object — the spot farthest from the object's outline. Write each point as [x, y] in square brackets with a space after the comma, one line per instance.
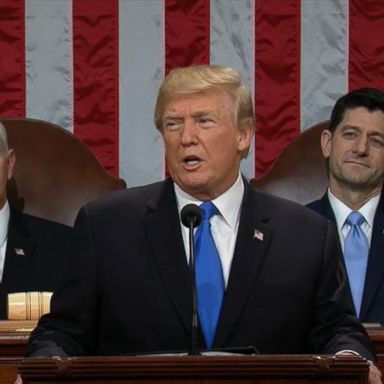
[223, 226]
[4, 219]
[342, 211]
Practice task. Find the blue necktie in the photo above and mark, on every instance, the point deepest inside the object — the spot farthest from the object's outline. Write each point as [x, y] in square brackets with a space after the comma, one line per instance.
[209, 275]
[356, 250]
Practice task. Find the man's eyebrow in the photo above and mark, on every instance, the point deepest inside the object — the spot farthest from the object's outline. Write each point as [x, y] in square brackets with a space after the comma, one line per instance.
[350, 126]
[202, 113]
[175, 115]
[171, 115]
[357, 128]
[376, 133]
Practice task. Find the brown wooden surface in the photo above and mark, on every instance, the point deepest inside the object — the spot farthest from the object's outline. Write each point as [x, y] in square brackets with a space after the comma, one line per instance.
[196, 369]
[299, 173]
[55, 173]
[376, 334]
[13, 341]
[14, 337]
[8, 369]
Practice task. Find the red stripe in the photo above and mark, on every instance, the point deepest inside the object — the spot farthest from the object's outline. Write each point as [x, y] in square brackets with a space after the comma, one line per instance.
[12, 61]
[366, 44]
[186, 27]
[96, 98]
[186, 33]
[277, 78]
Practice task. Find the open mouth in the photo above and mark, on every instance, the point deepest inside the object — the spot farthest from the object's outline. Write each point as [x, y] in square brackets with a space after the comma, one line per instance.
[191, 161]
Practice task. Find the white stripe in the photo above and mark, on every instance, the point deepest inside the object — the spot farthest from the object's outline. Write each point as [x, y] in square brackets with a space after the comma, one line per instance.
[48, 51]
[323, 57]
[232, 44]
[141, 72]
[347, 43]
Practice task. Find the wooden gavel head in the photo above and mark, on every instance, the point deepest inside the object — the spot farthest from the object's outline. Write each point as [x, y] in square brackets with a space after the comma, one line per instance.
[28, 305]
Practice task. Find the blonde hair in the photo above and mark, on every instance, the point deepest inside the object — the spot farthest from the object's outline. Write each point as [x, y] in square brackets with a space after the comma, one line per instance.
[204, 78]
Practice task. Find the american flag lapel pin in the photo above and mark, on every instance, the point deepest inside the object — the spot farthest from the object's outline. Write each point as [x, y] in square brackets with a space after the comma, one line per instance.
[19, 252]
[258, 235]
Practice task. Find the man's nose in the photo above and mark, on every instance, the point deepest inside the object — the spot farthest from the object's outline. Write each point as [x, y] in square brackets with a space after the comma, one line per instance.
[361, 145]
[188, 133]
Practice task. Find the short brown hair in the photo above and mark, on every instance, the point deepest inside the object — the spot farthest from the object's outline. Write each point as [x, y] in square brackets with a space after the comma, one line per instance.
[370, 98]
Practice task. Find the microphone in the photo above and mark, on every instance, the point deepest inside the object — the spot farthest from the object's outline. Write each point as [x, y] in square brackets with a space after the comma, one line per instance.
[191, 214]
[191, 218]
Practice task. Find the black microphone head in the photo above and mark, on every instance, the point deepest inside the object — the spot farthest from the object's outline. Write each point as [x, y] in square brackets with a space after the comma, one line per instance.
[190, 214]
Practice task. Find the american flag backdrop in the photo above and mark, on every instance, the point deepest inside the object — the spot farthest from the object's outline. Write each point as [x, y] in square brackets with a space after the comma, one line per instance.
[94, 66]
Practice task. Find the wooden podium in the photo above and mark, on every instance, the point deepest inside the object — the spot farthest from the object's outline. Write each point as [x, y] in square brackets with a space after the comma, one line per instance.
[14, 337]
[262, 369]
[13, 341]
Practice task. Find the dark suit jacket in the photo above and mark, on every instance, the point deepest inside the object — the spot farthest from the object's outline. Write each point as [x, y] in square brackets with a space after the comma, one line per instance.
[372, 308]
[130, 288]
[39, 264]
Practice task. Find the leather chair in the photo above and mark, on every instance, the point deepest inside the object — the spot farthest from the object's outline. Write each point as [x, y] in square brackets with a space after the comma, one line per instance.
[300, 171]
[55, 173]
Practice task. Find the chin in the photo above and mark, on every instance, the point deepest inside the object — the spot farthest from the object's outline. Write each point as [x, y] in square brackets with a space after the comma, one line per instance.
[193, 181]
[194, 187]
[358, 182]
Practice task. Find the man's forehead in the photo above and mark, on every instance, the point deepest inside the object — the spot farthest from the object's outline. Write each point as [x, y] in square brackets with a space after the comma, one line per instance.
[362, 119]
[195, 104]
[190, 111]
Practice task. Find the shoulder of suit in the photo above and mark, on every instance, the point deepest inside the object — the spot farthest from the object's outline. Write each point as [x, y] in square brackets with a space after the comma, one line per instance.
[130, 196]
[34, 221]
[315, 205]
[285, 208]
[27, 226]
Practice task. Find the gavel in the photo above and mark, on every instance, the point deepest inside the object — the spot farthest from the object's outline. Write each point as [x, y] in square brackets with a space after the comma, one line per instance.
[28, 305]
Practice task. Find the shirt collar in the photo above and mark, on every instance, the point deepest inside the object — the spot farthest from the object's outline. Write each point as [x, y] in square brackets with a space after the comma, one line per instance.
[227, 203]
[342, 211]
[4, 219]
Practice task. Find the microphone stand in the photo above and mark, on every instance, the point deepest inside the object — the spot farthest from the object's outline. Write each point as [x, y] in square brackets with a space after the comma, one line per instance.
[191, 217]
[195, 322]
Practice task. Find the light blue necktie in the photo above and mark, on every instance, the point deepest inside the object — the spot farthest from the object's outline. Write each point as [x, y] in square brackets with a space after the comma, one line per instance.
[209, 275]
[356, 250]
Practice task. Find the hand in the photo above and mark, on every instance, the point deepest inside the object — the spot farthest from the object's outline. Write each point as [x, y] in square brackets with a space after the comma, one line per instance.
[18, 380]
[374, 374]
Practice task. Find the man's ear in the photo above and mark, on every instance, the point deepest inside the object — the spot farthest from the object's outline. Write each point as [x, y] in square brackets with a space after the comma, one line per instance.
[326, 143]
[245, 134]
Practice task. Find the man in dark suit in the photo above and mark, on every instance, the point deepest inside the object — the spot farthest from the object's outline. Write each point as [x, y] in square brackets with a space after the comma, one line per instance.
[354, 147]
[32, 250]
[130, 285]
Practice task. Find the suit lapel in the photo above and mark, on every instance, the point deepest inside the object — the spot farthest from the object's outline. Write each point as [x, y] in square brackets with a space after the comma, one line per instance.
[250, 251]
[327, 210]
[162, 226]
[375, 268]
[19, 254]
